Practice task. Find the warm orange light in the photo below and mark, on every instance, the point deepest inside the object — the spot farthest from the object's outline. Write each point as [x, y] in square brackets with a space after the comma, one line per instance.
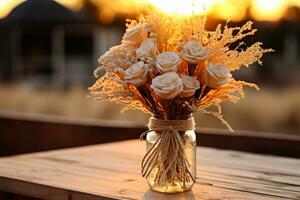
[269, 10]
[234, 10]
[183, 7]
[295, 3]
[74, 4]
[107, 16]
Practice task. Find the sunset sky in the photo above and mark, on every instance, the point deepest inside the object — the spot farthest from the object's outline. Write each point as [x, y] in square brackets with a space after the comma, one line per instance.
[269, 10]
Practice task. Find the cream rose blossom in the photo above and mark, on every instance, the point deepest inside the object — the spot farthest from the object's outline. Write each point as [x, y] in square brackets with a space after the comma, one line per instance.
[167, 62]
[193, 52]
[137, 74]
[190, 85]
[167, 86]
[135, 35]
[147, 49]
[217, 75]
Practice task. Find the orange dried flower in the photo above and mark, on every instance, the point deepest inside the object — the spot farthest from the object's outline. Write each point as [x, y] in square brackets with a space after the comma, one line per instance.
[171, 33]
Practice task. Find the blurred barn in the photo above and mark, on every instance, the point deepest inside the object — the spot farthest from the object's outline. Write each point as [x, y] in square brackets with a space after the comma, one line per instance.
[50, 45]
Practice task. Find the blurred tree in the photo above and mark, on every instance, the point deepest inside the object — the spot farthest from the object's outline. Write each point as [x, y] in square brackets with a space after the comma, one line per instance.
[292, 14]
[90, 11]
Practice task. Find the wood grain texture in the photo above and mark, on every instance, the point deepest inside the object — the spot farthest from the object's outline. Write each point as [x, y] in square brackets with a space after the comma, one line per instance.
[111, 171]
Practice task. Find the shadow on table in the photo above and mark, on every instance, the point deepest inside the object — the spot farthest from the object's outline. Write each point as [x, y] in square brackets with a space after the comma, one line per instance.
[150, 195]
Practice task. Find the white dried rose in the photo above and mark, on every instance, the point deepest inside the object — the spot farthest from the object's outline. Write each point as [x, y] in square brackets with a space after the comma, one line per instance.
[217, 75]
[167, 86]
[147, 49]
[190, 85]
[137, 74]
[134, 36]
[193, 52]
[167, 62]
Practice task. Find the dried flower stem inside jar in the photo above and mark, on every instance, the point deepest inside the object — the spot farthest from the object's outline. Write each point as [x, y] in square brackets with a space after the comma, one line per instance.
[170, 162]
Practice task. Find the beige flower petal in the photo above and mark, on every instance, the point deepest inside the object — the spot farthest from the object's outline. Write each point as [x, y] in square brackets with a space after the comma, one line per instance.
[167, 86]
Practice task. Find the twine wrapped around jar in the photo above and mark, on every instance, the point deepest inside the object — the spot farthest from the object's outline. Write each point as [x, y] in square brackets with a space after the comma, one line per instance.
[167, 154]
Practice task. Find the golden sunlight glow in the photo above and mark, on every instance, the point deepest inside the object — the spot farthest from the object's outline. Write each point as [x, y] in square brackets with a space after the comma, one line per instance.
[185, 7]
[269, 10]
[295, 3]
[236, 10]
[74, 4]
[7, 5]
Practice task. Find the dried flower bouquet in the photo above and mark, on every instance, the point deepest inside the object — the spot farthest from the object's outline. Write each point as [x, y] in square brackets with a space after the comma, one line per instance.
[171, 66]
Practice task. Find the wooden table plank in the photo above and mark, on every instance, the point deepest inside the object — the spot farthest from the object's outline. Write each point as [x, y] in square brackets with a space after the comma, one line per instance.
[111, 171]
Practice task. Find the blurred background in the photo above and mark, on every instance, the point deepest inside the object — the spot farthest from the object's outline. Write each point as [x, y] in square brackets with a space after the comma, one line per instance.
[49, 49]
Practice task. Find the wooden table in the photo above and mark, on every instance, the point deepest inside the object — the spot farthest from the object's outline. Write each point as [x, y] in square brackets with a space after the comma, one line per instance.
[111, 171]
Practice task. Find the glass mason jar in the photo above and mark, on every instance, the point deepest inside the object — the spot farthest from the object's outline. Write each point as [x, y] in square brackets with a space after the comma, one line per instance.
[188, 139]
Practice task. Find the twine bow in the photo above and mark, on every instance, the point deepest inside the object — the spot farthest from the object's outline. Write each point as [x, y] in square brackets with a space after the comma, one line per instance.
[167, 155]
